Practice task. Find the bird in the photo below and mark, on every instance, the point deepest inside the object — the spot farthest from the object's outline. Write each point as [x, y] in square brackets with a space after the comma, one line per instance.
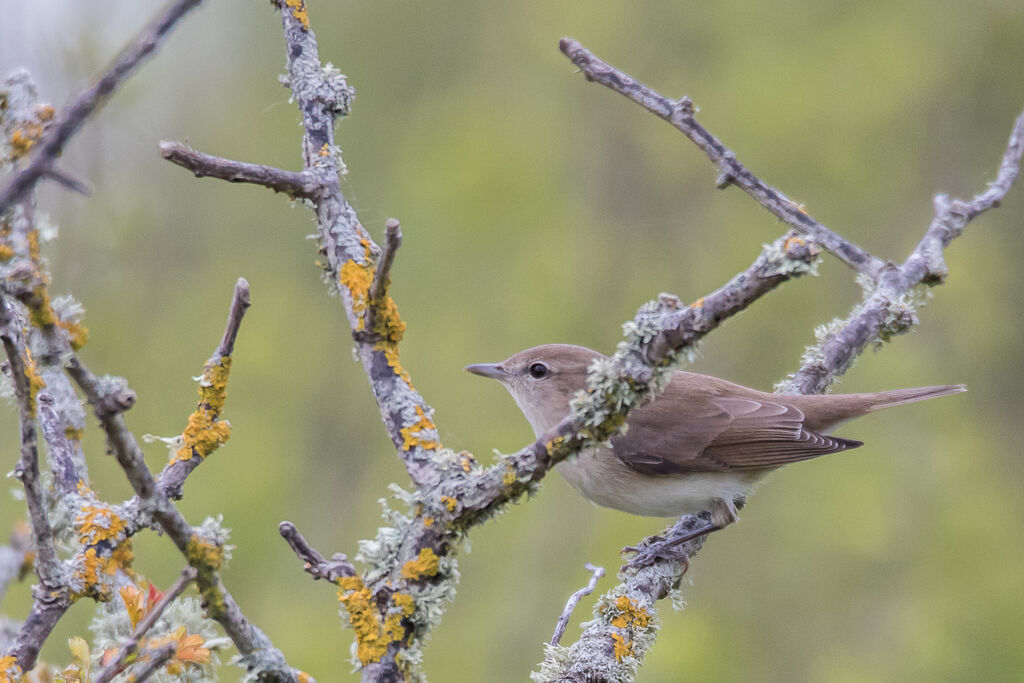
[701, 446]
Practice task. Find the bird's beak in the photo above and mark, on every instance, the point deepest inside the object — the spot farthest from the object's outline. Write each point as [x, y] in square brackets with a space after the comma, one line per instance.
[492, 370]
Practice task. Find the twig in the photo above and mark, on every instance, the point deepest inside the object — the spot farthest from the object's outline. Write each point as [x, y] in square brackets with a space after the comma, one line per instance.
[151, 661]
[680, 114]
[68, 181]
[87, 102]
[292, 183]
[315, 563]
[574, 599]
[188, 575]
[382, 274]
[65, 471]
[240, 303]
[883, 314]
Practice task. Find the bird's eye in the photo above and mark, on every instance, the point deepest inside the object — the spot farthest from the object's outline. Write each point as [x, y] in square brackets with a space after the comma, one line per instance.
[538, 370]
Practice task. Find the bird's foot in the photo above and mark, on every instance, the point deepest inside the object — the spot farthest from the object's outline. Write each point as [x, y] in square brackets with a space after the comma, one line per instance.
[672, 548]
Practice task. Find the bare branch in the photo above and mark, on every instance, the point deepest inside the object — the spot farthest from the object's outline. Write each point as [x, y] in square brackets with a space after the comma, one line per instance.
[240, 303]
[86, 103]
[885, 311]
[188, 575]
[292, 183]
[151, 661]
[574, 599]
[315, 563]
[680, 114]
[65, 471]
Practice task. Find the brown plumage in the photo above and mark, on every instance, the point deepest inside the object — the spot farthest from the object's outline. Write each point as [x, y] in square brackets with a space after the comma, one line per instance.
[701, 445]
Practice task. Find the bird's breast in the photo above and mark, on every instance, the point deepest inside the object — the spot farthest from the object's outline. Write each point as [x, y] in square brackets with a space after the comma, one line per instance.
[604, 480]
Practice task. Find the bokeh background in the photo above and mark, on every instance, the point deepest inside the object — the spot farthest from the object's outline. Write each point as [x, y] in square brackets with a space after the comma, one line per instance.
[537, 208]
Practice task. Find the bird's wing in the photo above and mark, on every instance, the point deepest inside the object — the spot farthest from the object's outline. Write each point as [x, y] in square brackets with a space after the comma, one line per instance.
[718, 434]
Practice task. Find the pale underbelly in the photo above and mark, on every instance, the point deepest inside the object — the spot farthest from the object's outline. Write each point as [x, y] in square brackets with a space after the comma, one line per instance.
[603, 480]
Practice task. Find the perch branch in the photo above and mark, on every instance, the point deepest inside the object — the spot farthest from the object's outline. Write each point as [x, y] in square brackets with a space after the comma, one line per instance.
[188, 575]
[292, 183]
[382, 275]
[563, 621]
[86, 103]
[680, 114]
[316, 564]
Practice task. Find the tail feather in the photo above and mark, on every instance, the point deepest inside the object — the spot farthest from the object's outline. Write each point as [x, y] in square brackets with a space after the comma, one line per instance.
[899, 397]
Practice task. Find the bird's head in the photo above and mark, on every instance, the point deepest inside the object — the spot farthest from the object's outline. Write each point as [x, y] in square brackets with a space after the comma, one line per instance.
[542, 380]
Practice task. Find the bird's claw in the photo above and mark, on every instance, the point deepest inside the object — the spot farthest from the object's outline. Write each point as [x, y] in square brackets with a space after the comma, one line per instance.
[660, 549]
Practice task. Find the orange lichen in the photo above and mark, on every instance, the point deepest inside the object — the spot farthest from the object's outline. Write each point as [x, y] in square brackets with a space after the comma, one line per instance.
[304, 677]
[205, 432]
[794, 241]
[325, 150]
[44, 112]
[9, 669]
[428, 521]
[422, 425]
[299, 11]
[449, 503]
[22, 140]
[426, 564]
[391, 354]
[373, 635]
[78, 334]
[357, 278]
[95, 523]
[466, 461]
[35, 380]
[630, 614]
[621, 647]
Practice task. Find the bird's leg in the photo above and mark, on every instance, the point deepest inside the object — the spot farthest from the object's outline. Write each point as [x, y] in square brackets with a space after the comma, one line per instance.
[721, 515]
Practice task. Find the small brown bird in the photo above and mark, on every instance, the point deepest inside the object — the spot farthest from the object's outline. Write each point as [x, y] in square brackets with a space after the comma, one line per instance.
[701, 445]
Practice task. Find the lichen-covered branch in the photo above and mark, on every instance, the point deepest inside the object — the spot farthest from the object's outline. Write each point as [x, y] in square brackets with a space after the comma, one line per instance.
[681, 114]
[612, 645]
[69, 122]
[888, 308]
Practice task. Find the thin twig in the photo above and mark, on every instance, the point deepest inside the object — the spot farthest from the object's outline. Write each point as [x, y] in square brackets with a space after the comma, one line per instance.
[68, 181]
[316, 564]
[382, 274]
[680, 114]
[151, 661]
[86, 103]
[292, 183]
[188, 575]
[240, 303]
[65, 472]
[574, 599]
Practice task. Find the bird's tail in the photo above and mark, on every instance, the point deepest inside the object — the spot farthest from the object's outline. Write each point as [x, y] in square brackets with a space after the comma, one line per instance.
[899, 397]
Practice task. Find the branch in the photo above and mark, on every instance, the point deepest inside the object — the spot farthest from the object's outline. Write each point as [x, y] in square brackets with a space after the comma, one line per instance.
[315, 563]
[887, 310]
[574, 599]
[680, 114]
[377, 307]
[188, 575]
[86, 103]
[294, 184]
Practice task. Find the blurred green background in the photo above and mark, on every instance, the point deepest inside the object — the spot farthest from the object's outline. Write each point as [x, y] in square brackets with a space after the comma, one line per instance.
[538, 208]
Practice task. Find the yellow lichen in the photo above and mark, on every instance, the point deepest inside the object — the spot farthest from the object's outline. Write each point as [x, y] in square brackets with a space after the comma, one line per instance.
[630, 614]
[509, 477]
[44, 112]
[426, 564]
[207, 558]
[33, 245]
[404, 602]
[40, 310]
[357, 277]
[205, 432]
[325, 150]
[391, 353]
[35, 380]
[466, 461]
[6, 252]
[449, 503]
[621, 647]
[95, 523]
[372, 634]
[22, 140]
[78, 334]
[73, 433]
[413, 435]
[299, 11]
[9, 669]
[428, 521]
[304, 677]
